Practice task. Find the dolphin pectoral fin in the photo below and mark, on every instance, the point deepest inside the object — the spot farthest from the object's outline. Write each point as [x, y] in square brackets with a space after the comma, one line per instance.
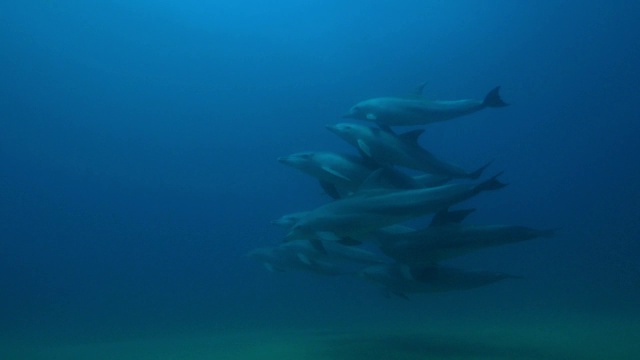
[373, 180]
[335, 173]
[330, 189]
[386, 128]
[269, 267]
[317, 244]
[364, 147]
[445, 217]
[411, 137]
[303, 259]
[493, 98]
[372, 117]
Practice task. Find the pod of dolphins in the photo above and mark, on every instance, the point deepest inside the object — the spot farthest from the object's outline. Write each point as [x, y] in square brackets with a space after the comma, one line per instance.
[371, 198]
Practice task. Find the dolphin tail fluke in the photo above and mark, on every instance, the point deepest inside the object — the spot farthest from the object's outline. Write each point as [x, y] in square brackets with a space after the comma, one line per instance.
[477, 173]
[490, 185]
[493, 98]
[330, 189]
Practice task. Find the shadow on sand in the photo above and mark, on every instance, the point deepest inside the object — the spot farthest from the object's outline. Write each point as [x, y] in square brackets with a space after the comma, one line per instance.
[381, 347]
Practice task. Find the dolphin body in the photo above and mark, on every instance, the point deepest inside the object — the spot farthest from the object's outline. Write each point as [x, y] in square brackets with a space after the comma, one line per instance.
[416, 110]
[341, 175]
[282, 259]
[345, 219]
[388, 148]
[302, 255]
[446, 238]
[400, 279]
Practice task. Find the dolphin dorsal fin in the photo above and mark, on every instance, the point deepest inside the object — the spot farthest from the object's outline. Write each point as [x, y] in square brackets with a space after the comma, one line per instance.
[418, 90]
[412, 136]
[445, 217]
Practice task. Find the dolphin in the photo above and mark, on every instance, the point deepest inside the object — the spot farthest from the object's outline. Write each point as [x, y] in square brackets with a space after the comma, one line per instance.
[366, 211]
[447, 238]
[388, 148]
[341, 174]
[282, 259]
[400, 279]
[302, 255]
[416, 110]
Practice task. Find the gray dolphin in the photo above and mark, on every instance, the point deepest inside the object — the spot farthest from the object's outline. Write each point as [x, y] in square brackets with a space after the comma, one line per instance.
[278, 258]
[446, 238]
[400, 279]
[341, 174]
[416, 110]
[302, 255]
[366, 211]
[388, 148]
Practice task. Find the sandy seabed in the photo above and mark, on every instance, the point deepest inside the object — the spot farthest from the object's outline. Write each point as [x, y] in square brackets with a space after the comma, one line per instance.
[576, 337]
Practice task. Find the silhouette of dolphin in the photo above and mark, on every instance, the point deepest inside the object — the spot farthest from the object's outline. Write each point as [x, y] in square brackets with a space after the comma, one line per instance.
[417, 110]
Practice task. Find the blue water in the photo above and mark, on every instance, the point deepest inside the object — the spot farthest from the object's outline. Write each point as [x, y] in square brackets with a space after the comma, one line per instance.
[138, 146]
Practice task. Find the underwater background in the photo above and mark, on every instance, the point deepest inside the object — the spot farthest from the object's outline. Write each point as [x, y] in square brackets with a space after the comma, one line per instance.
[138, 147]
